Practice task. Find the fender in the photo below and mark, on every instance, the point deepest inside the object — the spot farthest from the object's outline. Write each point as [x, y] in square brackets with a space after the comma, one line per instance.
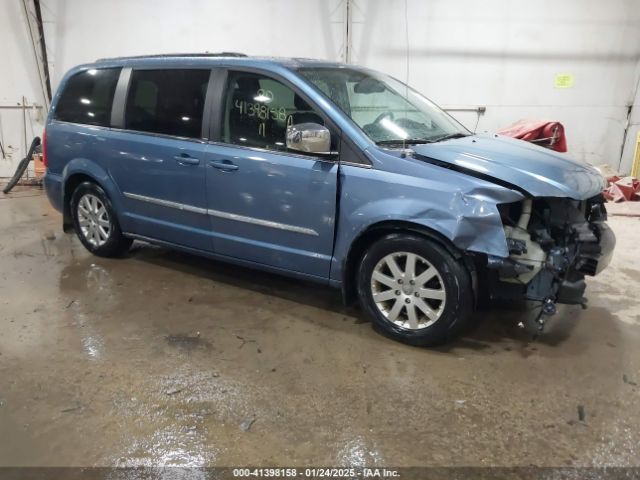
[85, 167]
[463, 210]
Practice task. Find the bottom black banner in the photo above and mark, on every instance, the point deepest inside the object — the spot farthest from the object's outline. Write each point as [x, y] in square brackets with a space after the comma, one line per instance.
[404, 473]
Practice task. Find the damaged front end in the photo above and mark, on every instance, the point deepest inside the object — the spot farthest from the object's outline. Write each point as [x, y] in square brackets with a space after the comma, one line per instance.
[553, 244]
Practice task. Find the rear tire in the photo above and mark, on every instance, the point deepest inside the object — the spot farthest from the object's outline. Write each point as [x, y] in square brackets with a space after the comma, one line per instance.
[414, 290]
[95, 221]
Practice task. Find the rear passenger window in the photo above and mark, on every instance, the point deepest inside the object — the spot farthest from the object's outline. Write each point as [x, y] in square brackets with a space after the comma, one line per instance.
[167, 101]
[87, 97]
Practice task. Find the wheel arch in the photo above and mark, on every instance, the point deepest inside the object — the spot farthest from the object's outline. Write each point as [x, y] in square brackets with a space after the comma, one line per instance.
[70, 186]
[76, 172]
[378, 230]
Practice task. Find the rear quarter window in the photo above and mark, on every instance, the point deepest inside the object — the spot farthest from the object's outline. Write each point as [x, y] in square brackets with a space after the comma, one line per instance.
[88, 97]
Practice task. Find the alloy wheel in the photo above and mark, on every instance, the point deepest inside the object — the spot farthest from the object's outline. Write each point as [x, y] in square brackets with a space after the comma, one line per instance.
[408, 290]
[93, 220]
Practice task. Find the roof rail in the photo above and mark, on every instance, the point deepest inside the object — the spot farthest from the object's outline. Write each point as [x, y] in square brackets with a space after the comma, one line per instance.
[174, 55]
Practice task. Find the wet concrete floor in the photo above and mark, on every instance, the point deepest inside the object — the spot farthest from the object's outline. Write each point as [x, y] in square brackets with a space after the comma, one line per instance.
[163, 358]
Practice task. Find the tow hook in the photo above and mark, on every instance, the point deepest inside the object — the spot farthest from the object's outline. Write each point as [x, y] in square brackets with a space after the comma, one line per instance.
[548, 309]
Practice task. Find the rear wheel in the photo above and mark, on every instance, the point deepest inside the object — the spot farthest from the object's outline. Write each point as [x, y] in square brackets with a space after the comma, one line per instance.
[95, 222]
[414, 290]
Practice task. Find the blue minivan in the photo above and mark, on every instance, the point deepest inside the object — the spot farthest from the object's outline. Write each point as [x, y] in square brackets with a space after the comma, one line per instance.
[327, 172]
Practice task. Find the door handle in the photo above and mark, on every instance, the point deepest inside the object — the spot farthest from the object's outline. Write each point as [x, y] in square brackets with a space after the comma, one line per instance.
[185, 159]
[226, 165]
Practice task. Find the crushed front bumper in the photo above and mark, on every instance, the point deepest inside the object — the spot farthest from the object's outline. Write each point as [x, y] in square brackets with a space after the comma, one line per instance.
[577, 242]
[591, 259]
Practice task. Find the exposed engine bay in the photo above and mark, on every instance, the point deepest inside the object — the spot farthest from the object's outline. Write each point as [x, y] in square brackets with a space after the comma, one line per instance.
[553, 244]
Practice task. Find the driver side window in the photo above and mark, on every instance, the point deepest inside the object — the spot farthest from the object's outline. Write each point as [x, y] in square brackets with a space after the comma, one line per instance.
[258, 110]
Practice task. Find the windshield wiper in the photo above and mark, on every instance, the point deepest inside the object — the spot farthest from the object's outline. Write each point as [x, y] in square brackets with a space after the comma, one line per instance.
[408, 141]
[418, 141]
[448, 136]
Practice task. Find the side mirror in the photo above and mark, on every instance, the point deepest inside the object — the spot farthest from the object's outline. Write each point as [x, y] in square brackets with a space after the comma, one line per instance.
[309, 138]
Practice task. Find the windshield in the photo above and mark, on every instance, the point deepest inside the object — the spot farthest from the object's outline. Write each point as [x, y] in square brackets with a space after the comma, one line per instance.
[387, 110]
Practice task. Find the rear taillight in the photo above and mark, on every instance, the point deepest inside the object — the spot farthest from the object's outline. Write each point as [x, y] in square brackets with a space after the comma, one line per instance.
[44, 148]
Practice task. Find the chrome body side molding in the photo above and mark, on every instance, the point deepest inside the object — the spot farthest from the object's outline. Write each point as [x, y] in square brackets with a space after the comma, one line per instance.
[220, 214]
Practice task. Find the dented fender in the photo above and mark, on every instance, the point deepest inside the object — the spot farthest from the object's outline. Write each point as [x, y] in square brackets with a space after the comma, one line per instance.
[458, 207]
[478, 226]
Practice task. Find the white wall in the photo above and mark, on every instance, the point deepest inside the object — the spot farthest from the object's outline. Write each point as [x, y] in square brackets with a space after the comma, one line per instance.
[80, 31]
[87, 30]
[18, 78]
[500, 53]
[505, 54]
[633, 131]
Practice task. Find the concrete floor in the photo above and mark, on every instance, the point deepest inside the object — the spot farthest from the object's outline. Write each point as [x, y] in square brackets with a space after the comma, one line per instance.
[167, 359]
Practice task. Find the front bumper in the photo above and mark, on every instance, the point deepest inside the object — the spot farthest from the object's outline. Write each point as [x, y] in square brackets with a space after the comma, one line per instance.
[593, 258]
[591, 254]
[576, 242]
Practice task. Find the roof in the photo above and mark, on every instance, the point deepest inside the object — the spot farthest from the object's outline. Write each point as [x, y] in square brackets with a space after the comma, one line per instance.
[177, 55]
[233, 58]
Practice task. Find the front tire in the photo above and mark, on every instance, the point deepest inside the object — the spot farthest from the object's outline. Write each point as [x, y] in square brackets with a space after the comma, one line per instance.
[414, 290]
[95, 221]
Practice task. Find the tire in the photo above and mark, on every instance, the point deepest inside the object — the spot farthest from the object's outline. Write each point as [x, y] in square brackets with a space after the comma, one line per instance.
[429, 312]
[95, 221]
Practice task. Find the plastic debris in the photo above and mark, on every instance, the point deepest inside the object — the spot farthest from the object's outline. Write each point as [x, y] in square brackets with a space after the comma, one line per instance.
[581, 413]
[622, 189]
[245, 426]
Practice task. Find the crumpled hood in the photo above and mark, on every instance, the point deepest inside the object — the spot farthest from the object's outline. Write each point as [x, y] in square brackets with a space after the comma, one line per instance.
[539, 171]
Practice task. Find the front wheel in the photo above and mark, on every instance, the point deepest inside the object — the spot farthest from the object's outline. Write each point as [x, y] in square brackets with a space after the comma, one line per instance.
[95, 221]
[414, 290]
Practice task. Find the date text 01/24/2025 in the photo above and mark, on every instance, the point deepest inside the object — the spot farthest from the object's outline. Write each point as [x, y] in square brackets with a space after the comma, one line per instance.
[315, 473]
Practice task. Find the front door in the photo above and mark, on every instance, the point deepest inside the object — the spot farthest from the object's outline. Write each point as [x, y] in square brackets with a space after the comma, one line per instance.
[266, 204]
[158, 161]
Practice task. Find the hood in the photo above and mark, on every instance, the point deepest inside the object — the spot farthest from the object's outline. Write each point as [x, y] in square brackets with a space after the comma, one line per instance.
[538, 171]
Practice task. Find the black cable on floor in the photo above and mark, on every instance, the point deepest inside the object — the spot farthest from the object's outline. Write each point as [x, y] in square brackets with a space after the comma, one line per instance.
[22, 166]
